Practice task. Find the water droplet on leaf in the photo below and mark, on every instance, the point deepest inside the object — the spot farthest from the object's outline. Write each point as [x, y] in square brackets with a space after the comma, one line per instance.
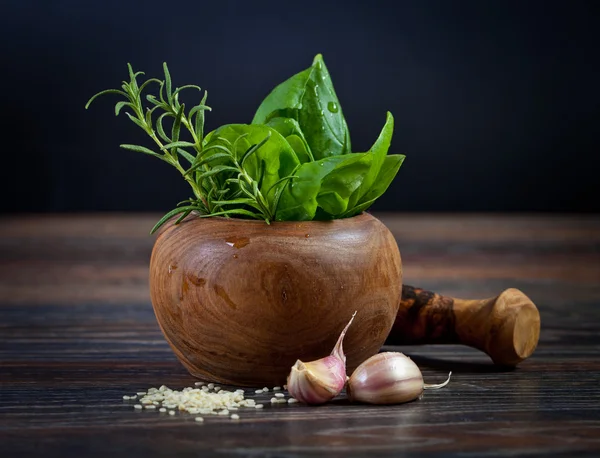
[333, 107]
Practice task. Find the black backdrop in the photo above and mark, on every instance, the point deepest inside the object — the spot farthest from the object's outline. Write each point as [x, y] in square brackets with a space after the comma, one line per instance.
[496, 102]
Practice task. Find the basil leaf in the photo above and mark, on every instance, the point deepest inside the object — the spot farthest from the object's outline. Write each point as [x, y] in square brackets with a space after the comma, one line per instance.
[309, 98]
[326, 184]
[290, 129]
[378, 152]
[388, 171]
[275, 159]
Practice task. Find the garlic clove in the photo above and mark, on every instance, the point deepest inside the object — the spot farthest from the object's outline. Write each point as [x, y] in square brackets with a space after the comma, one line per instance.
[319, 381]
[386, 378]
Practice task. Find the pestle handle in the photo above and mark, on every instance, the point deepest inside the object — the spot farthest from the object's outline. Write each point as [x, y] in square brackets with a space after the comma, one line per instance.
[506, 327]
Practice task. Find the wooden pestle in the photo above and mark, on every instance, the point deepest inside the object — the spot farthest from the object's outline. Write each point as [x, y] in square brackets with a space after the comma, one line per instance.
[506, 327]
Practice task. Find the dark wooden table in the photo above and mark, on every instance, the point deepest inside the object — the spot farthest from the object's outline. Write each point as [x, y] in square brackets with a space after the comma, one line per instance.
[77, 331]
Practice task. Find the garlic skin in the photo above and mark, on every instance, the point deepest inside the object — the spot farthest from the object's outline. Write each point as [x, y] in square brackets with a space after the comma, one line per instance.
[386, 378]
[319, 381]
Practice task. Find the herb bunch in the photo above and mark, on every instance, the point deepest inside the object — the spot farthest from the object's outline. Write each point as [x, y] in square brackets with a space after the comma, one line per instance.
[196, 161]
[293, 162]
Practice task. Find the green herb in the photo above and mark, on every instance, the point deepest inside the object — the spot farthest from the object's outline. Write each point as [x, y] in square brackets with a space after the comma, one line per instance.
[292, 163]
[309, 98]
[227, 174]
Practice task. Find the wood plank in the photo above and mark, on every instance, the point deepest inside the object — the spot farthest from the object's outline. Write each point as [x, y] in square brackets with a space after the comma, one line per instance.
[77, 331]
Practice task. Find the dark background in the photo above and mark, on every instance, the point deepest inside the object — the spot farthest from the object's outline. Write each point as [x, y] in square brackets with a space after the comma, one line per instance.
[496, 103]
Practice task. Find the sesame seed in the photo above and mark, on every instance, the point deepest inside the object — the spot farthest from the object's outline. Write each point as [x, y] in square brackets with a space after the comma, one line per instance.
[141, 393]
[276, 388]
[199, 419]
[137, 406]
[207, 400]
[125, 397]
[133, 397]
[292, 400]
[279, 395]
[235, 416]
[258, 391]
[258, 406]
[273, 400]
[280, 401]
[265, 390]
[198, 384]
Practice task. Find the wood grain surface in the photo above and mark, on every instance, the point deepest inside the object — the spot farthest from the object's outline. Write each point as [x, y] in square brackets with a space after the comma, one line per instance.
[77, 331]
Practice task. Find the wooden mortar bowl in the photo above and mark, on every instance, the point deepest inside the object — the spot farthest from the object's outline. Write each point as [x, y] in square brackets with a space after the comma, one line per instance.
[239, 301]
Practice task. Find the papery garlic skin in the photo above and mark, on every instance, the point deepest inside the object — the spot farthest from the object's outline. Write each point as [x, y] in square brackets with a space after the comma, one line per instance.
[386, 378]
[319, 381]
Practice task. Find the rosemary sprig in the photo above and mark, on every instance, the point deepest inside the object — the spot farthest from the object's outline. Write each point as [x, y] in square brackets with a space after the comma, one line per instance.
[219, 188]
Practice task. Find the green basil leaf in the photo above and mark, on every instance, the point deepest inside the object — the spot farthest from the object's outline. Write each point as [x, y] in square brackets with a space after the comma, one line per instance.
[326, 184]
[275, 158]
[309, 98]
[290, 129]
[378, 152]
[388, 171]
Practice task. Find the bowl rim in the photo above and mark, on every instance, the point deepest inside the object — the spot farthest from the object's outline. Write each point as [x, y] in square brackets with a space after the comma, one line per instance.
[280, 224]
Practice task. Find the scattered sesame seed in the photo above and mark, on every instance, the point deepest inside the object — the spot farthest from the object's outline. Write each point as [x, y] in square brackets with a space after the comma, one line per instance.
[126, 397]
[279, 395]
[137, 406]
[207, 400]
[141, 393]
[258, 406]
[276, 388]
[273, 400]
[265, 390]
[199, 419]
[235, 416]
[198, 384]
[258, 391]
[292, 400]
[280, 401]
[133, 397]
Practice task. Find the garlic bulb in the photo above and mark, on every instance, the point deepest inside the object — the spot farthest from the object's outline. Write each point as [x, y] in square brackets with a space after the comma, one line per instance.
[319, 381]
[387, 378]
